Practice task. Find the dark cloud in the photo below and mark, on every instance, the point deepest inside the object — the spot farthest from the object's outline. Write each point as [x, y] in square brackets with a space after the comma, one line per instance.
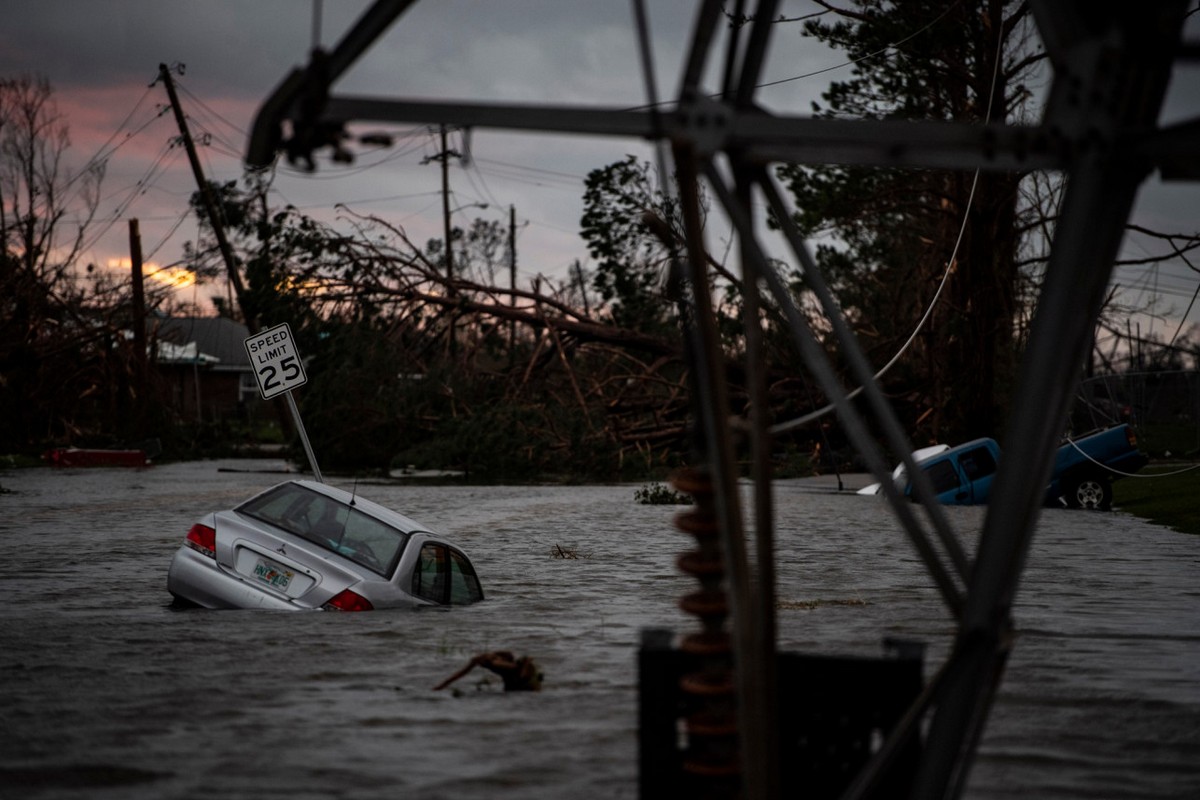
[100, 55]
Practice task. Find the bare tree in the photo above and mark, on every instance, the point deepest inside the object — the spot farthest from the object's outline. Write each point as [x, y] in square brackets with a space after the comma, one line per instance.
[36, 191]
[60, 338]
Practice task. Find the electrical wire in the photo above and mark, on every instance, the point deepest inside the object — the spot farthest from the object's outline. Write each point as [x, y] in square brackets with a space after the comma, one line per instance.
[1191, 303]
[165, 157]
[104, 154]
[540, 170]
[1130, 474]
[540, 182]
[486, 190]
[868, 56]
[101, 154]
[182, 218]
[350, 172]
[790, 425]
[182, 87]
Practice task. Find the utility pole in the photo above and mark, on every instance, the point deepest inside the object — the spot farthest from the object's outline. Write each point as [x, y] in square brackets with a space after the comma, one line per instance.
[448, 228]
[210, 202]
[512, 278]
[138, 312]
[216, 220]
[139, 300]
[577, 273]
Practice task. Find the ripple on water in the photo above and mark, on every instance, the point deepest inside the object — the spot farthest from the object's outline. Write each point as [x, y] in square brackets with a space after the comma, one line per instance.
[105, 692]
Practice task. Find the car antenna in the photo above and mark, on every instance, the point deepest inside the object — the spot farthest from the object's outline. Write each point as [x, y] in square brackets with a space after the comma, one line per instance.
[353, 494]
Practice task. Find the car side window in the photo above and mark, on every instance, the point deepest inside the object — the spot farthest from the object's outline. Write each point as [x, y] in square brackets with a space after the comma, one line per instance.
[977, 463]
[943, 476]
[430, 576]
[464, 585]
[445, 576]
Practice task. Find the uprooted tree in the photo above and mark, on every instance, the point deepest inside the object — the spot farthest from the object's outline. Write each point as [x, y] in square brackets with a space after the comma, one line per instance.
[534, 385]
[540, 381]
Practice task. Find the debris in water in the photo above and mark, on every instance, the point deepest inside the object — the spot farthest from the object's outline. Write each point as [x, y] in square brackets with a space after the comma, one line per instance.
[570, 551]
[518, 674]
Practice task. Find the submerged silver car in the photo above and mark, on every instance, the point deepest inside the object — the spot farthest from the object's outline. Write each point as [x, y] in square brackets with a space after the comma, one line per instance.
[304, 545]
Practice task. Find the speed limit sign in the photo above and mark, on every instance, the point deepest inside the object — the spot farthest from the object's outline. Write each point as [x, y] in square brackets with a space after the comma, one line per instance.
[275, 361]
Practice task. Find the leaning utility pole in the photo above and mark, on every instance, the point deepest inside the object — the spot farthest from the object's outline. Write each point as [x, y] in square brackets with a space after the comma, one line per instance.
[210, 202]
[216, 220]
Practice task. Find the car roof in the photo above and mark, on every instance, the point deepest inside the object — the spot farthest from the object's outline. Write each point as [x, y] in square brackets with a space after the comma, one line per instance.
[958, 450]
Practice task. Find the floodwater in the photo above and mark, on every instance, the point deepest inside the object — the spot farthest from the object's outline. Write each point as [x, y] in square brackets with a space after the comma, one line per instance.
[106, 692]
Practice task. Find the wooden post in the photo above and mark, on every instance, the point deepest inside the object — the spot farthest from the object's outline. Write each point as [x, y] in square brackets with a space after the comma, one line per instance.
[139, 301]
[512, 279]
[449, 230]
[577, 274]
[138, 312]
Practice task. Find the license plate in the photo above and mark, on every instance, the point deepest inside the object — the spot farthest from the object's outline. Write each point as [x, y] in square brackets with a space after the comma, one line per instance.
[273, 575]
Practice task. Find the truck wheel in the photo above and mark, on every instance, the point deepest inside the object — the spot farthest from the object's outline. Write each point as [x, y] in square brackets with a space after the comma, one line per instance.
[1089, 491]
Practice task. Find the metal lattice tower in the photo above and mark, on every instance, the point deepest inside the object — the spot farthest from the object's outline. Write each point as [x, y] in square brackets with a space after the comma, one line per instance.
[1111, 65]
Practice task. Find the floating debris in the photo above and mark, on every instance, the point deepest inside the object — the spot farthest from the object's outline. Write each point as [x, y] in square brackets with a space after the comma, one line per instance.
[659, 494]
[570, 551]
[519, 674]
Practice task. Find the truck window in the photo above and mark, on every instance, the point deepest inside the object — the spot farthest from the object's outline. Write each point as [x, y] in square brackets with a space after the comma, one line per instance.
[977, 463]
[943, 476]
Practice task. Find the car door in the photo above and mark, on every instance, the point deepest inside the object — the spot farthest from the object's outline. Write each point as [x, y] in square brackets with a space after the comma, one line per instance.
[947, 482]
[978, 466]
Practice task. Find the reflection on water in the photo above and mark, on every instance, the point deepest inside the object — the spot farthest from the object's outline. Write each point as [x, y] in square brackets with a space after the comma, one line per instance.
[106, 692]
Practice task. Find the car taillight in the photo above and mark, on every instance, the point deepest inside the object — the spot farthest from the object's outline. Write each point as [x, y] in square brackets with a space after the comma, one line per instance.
[347, 600]
[1132, 437]
[202, 539]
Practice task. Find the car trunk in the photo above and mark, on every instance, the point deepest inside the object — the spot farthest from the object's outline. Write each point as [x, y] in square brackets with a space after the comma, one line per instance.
[279, 562]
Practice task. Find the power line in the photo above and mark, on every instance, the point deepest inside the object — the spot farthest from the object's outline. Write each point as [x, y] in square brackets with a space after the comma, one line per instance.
[868, 56]
[135, 191]
[101, 155]
[527, 168]
[196, 99]
[487, 191]
[950, 265]
[170, 233]
[368, 200]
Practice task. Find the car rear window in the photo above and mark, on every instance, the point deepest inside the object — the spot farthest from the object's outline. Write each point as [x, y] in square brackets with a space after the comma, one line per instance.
[330, 523]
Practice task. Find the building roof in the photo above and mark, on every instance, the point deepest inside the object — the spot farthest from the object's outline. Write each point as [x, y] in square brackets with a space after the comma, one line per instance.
[217, 340]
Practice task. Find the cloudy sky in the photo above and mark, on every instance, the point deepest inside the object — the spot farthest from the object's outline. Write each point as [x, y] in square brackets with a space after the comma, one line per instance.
[102, 57]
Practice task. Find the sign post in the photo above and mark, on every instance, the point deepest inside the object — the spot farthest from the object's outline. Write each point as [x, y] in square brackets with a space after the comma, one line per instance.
[278, 369]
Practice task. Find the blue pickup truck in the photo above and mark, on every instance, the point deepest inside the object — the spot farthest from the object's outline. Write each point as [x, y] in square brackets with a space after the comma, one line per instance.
[1084, 469]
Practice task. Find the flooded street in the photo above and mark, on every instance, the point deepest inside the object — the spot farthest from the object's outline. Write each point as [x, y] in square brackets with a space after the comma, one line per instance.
[107, 692]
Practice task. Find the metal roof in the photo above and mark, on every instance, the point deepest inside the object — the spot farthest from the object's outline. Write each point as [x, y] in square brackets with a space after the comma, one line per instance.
[217, 340]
